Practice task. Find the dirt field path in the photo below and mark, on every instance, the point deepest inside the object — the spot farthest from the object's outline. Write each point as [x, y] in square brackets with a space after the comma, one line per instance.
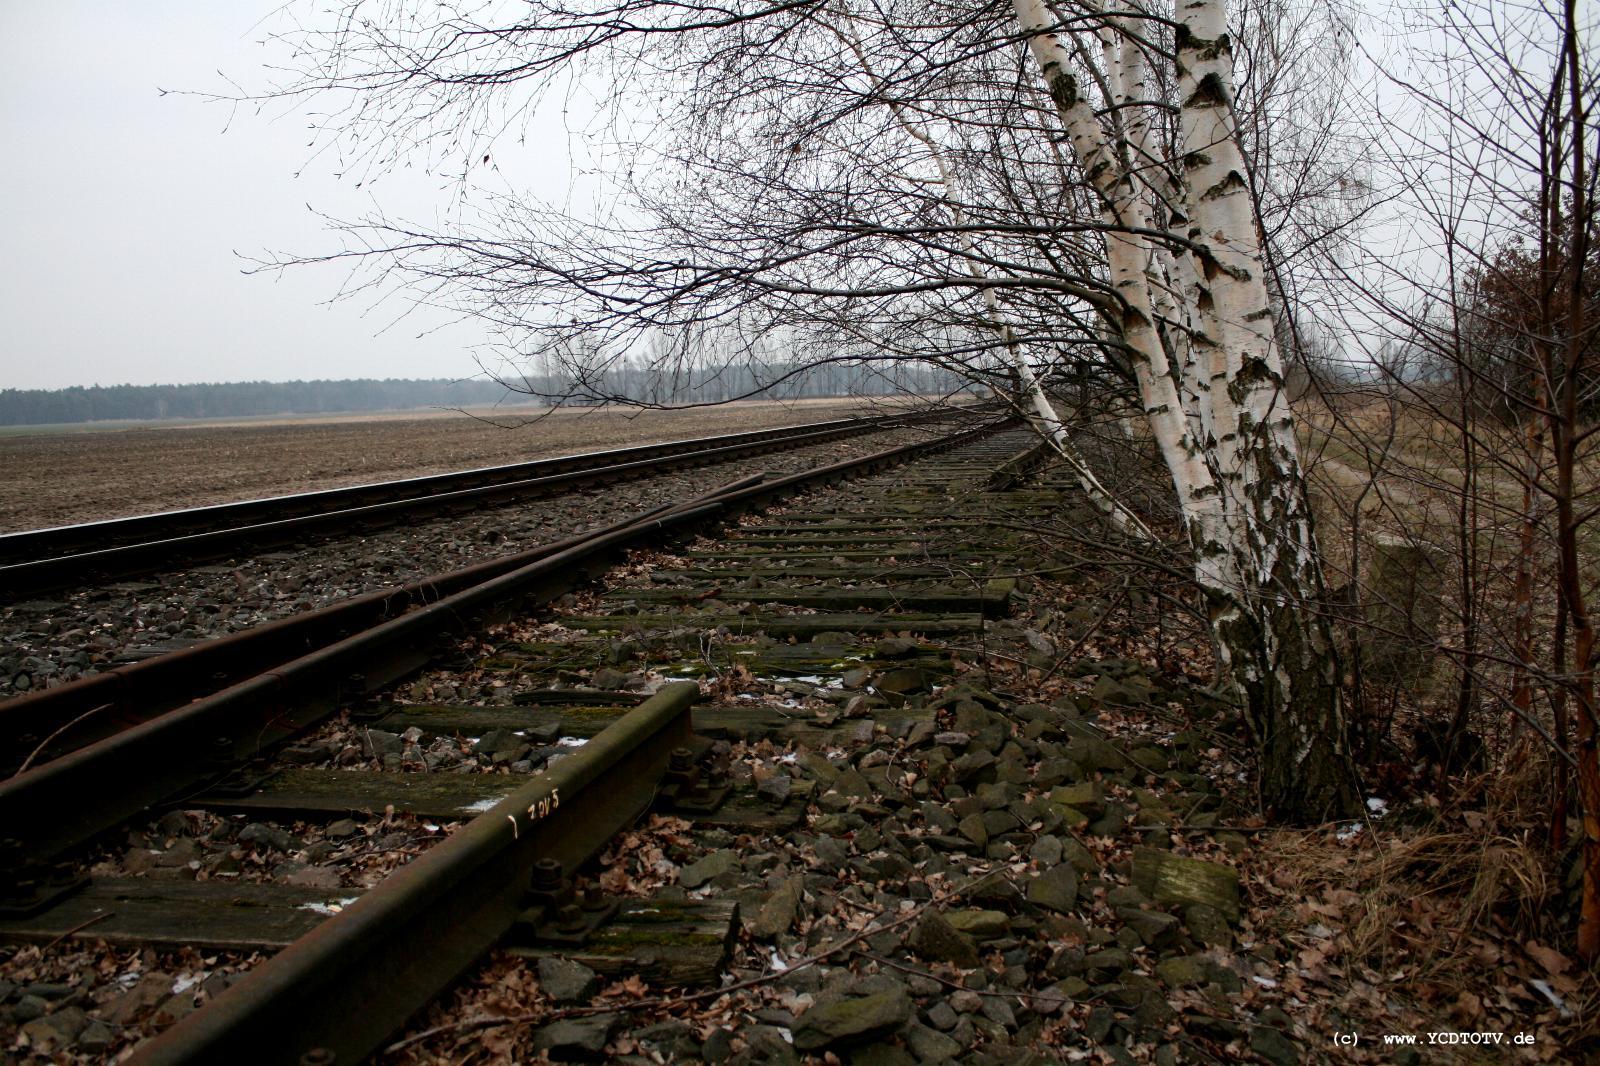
[50, 479]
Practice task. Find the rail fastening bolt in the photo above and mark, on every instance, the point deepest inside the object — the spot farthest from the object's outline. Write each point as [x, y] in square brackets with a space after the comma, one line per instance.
[547, 874]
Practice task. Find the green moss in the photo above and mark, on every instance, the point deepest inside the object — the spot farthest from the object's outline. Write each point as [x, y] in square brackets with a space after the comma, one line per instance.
[622, 940]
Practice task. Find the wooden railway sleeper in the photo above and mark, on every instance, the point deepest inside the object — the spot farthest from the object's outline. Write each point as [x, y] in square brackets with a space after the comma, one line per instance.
[28, 887]
[458, 897]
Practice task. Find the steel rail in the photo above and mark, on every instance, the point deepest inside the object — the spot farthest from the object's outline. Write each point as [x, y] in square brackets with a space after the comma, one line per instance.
[58, 805]
[101, 704]
[335, 994]
[175, 528]
[146, 556]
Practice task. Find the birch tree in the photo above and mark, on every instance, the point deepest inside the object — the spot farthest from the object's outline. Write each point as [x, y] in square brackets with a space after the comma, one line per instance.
[991, 188]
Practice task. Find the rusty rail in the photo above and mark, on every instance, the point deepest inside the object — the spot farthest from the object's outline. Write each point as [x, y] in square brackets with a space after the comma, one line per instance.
[334, 995]
[56, 806]
[65, 556]
[105, 703]
[338, 993]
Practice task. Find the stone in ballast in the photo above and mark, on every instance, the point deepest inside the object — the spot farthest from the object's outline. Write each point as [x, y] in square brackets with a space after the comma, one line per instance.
[714, 865]
[566, 981]
[1168, 878]
[854, 1020]
[982, 924]
[577, 1039]
[936, 940]
[1056, 889]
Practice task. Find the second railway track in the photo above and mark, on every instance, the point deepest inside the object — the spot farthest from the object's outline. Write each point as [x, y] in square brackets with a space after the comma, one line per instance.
[877, 585]
[100, 626]
[62, 556]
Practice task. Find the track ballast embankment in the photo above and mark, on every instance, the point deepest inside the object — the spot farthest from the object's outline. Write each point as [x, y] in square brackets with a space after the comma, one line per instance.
[92, 769]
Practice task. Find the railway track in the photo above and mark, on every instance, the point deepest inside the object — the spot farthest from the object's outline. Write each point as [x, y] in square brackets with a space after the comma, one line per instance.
[35, 561]
[151, 741]
[49, 639]
[787, 699]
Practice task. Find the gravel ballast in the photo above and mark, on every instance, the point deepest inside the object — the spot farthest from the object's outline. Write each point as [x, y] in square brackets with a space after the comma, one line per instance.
[47, 641]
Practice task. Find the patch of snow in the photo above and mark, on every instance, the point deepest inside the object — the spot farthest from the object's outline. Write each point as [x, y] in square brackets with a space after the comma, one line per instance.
[1549, 993]
[187, 981]
[1378, 807]
[777, 961]
[1265, 982]
[488, 803]
[786, 1034]
[1348, 832]
[571, 742]
[330, 908]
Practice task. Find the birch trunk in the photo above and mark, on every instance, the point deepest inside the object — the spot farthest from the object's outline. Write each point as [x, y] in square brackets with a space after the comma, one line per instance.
[1276, 634]
[1228, 436]
[1128, 256]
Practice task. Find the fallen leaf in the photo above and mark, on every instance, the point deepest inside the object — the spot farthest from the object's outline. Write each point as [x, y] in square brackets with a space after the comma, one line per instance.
[1553, 961]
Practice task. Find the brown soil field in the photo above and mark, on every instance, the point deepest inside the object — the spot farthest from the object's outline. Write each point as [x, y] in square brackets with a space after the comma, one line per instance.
[56, 478]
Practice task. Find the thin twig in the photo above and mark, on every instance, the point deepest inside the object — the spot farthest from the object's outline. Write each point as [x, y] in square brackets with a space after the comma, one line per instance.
[34, 754]
[666, 1002]
[997, 993]
[1077, 645]
[80, 927]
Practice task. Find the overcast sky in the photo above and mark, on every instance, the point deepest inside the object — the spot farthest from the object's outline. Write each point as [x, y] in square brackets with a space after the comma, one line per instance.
[123, 210]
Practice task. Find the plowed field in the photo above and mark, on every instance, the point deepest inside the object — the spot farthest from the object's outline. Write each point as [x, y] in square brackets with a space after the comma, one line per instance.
[55, 478]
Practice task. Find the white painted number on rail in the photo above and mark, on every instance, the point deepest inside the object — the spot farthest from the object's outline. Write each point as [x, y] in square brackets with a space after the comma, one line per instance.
[538, 809]
[542, 808]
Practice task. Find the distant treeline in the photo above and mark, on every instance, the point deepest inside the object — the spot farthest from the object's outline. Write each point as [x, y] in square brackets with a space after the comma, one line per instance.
[99, 403]
[719, 381]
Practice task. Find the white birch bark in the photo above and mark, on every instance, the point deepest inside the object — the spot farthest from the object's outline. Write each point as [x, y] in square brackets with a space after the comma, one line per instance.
[1219, 417]
[1128, 255]
[1244, 346]
[1172, 278]
[1277, 641]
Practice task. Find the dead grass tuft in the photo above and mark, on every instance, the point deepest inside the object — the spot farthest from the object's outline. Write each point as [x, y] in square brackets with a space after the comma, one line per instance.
[1424, 895]
[1462, 915]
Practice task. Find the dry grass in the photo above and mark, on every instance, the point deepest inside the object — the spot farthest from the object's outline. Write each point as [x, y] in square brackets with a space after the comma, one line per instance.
[1447, 925]
[1457, 919]
[1397, 471]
